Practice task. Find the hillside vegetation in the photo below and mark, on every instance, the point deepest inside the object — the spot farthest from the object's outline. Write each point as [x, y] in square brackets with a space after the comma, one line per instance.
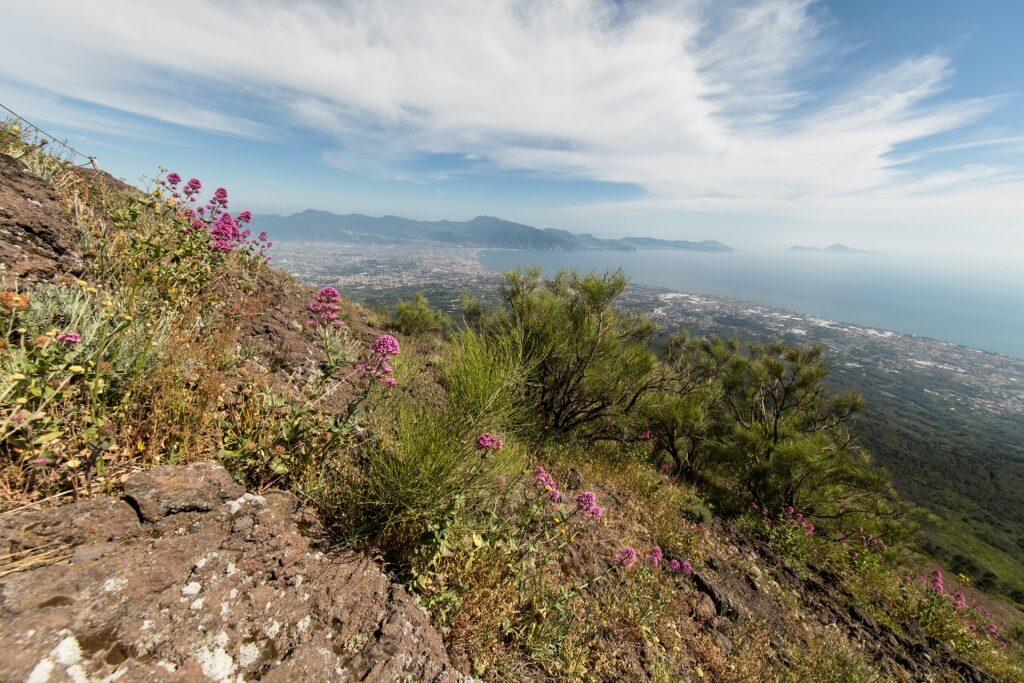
[566, 503]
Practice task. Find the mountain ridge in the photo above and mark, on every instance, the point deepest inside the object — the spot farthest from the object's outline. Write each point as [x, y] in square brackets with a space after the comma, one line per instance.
[480, 231]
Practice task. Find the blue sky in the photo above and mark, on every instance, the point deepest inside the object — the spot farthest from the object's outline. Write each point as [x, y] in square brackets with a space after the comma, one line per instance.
[894, 125]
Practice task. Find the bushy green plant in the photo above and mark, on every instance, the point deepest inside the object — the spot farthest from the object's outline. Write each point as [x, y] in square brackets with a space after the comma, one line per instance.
[591, 363]
[434, 465]
[418, 317]
[698, 514]
[74, 357]
[424, 473]
[483, 377]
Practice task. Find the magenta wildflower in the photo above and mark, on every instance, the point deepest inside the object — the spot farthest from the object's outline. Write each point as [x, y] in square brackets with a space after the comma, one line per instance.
[626, 557]
[992, 629]
[173, 179]
[654, 556]
[790, 510]
[264, 236]
[547, 482]
[959, 600]
[193, 186]
[664, 467]
[69, 337]
[586, 503]
[391, 381]
[938, 584]
[645, 435]
[324, 308]
[687, 567]
[488, 441]
[675, 566]
[386, 345]
[245, 217]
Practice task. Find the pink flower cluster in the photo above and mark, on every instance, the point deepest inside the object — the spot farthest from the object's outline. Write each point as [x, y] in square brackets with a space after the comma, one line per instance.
[377, 366]
[793, 518]
[323, 309]
[69, 337]
[936, 582]
[386, 345]
[677, 567]
[586, 503]
[226, 231]
[488, 441]
[871, 542]
[547, 482]
[626, 557]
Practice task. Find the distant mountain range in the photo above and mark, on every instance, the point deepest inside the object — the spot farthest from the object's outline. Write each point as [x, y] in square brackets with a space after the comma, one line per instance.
[833, 248]
[482, 231]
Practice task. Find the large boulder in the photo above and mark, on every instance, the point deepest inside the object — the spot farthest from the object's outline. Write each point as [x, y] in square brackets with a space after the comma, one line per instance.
[191, 579]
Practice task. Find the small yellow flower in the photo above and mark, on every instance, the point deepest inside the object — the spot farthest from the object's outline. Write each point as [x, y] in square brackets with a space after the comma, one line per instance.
[107, 303]
[172, 201]
[563, 531]
[51, 333]
[92, 290]
[73, 463]
[125, 316]
[21, 400]
[81, 283]
[17, 377]
[158, 192]
[76, 369]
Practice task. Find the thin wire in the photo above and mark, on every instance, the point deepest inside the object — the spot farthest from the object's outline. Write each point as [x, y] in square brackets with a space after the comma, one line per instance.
[59, 142]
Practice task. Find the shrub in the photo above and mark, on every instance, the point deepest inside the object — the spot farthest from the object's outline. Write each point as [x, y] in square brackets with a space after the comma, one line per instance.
[428, 468]
[417, 317]
[591, 363]
[484, 376]
[698, 514]
[422, 475]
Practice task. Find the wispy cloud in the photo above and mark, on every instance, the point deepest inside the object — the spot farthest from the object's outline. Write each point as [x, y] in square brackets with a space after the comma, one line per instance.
[739, 107]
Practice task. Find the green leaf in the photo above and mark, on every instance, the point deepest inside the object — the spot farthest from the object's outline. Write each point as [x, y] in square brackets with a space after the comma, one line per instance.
[47, 438]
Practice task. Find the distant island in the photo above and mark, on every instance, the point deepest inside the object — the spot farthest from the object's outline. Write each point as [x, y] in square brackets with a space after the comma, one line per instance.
[483, 231]
[834, 249]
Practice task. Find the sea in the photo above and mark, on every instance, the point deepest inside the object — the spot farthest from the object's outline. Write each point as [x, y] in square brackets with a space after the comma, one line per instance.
[968, 306]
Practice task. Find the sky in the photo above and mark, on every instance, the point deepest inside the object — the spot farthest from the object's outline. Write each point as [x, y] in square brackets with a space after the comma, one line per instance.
[880, 124]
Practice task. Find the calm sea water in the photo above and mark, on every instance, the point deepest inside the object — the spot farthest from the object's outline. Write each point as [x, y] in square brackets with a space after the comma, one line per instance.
[976, 309]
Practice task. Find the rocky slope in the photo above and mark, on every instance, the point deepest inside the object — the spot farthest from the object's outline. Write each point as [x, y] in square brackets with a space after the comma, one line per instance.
[189, 578]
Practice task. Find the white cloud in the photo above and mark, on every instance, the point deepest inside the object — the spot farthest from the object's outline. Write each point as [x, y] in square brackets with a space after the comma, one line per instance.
[707, 106]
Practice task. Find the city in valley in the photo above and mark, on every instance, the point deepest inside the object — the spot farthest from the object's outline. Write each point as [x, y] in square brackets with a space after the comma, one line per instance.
[927, 371]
